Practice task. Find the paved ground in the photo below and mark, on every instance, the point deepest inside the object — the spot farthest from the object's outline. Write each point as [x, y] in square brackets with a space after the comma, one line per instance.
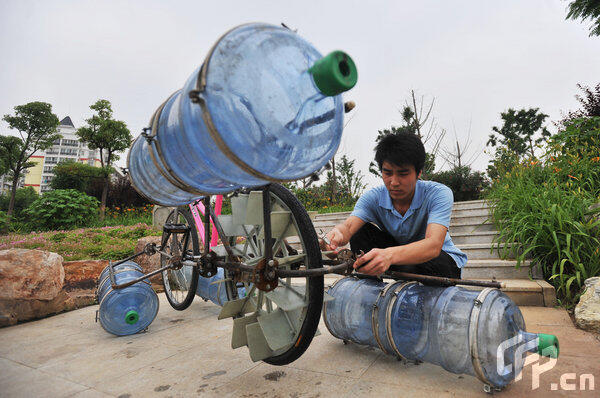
[188, 353]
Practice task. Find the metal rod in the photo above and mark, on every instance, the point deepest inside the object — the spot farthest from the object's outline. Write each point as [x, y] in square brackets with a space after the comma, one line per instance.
[141, 278]
[335, 269]
[266, 196]
[439, 279]
[220, 232]
[207, 227]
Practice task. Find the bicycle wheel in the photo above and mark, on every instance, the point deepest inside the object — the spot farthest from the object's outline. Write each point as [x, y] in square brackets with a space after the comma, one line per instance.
[286, 318]
[180, 284]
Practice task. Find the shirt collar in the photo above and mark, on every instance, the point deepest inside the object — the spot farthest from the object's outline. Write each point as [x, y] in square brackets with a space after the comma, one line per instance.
[385, 200]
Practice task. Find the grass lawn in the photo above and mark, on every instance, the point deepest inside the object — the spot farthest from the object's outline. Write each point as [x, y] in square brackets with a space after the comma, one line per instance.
[105, 243]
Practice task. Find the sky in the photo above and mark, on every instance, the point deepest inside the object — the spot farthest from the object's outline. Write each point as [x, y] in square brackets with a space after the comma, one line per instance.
[475, 58]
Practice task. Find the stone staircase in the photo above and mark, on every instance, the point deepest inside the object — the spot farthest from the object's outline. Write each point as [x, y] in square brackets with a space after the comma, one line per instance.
[473, 233]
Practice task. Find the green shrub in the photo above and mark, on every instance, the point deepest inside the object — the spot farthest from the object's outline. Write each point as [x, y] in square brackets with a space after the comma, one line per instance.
[24, 197]
[465, 183]
[543, 206]
[3, 222]
[62, 209]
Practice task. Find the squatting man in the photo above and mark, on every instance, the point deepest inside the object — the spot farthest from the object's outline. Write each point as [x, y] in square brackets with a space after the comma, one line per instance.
[404, 223]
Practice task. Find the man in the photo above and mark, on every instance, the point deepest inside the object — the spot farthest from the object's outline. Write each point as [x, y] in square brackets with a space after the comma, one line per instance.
[412, 217]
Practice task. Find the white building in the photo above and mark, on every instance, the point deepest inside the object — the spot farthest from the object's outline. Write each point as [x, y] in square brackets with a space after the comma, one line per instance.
[67, 148]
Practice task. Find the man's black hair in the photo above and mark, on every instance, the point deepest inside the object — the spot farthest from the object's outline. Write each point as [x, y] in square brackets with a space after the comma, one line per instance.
[402, 148]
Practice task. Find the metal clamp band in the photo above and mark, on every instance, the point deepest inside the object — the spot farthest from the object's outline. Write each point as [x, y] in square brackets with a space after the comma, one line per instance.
[388, 323]
[473, 326]
[375, 316]
[195, 96]
[165, 170]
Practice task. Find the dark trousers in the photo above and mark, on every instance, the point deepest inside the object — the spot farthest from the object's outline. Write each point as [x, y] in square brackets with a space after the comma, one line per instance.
[370, 237]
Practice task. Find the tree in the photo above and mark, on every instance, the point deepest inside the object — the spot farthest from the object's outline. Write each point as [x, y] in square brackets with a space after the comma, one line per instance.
[36, 125]
[586, 9]
[457, 156]
[421, 122]
[590, 105]
[78, 176]
[109, 136]
[350, 180]
[518, 130]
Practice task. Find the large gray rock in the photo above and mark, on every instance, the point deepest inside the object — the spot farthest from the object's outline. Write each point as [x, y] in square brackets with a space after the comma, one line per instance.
[159, 216]
[587, 312]
[30, 274]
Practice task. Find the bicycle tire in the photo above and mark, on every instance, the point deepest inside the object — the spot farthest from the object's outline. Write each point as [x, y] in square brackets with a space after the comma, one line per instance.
[314, 284]
[181, 304]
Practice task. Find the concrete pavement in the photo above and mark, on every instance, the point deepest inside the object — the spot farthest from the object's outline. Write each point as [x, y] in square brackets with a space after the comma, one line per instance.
[187, 353]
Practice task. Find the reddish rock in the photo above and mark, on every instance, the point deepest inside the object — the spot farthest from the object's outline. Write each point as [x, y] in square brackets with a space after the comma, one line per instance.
[83, 274]
[19, 310]
[30, 274]
[150, 263]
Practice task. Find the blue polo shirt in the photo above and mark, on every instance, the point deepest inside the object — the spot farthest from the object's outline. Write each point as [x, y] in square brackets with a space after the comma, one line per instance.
[432, 203]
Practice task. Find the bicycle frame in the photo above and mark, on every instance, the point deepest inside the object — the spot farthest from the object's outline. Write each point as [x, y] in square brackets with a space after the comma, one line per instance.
[265, 274]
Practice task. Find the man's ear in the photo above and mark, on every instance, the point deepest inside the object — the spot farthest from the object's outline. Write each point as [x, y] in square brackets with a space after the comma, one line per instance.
[420, 173]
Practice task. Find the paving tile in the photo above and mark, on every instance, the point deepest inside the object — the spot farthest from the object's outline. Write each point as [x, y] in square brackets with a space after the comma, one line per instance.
[425, 376]
[328, 354]
[281, 381]
[190, 373]
[17, 380]
[105, 357]
[364, 388]
[565, 365]
[91, 393]
[545, 316]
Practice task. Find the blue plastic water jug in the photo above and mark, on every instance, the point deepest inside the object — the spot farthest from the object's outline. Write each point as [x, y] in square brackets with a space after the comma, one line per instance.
[129, 310]
[264, 106]
[481, 333]
[214, 290]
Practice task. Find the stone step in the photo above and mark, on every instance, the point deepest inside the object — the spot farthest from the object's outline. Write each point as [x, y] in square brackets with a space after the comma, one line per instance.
[470, 204]
[479, 251]
[536, 292]
[461, 238]
[332, 216]
[456, 213]
[499, 269]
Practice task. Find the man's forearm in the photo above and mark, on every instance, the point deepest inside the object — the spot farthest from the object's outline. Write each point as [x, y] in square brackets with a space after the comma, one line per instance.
[414, 253]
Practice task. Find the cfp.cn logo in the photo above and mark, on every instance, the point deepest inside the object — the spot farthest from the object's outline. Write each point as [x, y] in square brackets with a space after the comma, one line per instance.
[539, 365]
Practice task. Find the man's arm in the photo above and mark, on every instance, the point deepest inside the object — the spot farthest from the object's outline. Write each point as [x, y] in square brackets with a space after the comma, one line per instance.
[379, 260]
[340, 234]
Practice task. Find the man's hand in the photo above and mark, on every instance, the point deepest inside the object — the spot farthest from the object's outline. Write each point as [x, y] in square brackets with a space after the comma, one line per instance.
[375, 262]
[336, 239]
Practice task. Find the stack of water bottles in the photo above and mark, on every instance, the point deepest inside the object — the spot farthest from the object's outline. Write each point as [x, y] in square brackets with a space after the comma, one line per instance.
[264, 106]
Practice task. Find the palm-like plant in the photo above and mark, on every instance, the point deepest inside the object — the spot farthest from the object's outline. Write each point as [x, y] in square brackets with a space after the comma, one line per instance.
[586, 9]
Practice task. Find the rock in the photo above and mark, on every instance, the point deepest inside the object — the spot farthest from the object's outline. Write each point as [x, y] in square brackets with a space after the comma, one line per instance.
[83, 274]
[587, 312]
[19, 310]
[30, 274]
[159, 216]
[150, 263]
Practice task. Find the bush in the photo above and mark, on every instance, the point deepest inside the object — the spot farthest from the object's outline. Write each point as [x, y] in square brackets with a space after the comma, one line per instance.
[122, 194]
[23, 199]
[465, 183]
[62, 209]
[78, 176]
[543, 206]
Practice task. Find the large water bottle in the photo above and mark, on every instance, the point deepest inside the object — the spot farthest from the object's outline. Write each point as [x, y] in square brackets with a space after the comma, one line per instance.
[213, 288]
[481, 333]
[129, 310]
[264, 106]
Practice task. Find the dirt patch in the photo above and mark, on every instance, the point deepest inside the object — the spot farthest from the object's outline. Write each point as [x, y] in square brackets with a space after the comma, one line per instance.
[274, 376]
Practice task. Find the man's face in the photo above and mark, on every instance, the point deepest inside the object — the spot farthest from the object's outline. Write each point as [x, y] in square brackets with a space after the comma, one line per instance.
[400, 181]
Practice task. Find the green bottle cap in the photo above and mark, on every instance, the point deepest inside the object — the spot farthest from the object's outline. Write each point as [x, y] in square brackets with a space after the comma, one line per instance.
[132, 317]
[548, 345]
[334, 73]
